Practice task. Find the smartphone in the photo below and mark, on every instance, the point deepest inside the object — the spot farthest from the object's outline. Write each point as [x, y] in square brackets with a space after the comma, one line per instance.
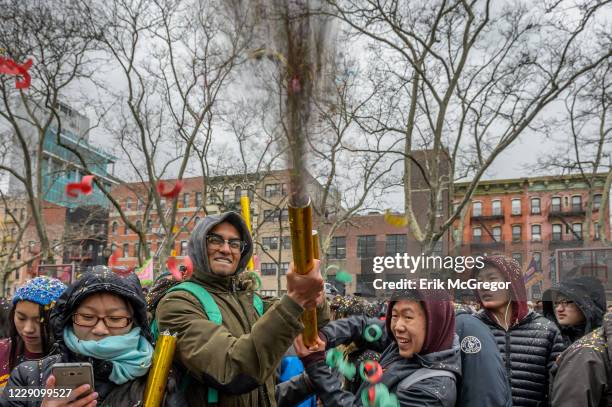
[73, 375]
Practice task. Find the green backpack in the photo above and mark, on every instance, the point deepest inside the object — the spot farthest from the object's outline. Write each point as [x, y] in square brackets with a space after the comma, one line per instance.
[214, 315]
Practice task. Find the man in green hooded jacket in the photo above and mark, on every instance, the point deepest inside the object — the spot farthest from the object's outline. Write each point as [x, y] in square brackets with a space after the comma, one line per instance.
[239, 357]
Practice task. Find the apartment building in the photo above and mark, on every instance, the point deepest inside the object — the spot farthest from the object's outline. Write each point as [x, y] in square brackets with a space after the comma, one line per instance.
[530, 219]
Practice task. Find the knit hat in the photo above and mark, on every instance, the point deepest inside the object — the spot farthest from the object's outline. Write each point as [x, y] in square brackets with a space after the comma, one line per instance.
[41, 290]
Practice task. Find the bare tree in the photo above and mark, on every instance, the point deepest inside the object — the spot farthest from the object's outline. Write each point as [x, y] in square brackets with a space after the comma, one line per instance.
[585, 139]
[463, 80]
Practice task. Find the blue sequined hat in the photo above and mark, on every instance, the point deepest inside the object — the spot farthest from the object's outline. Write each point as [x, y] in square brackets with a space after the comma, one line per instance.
[41, 290]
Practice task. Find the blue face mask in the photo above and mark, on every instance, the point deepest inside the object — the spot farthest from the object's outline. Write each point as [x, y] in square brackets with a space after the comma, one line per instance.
[130, 354]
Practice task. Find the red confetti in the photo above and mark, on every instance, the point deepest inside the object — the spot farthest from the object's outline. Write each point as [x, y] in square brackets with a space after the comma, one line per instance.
[112, 264]
[10, 67]
[173, 193]
[173, 268]
[85, 187]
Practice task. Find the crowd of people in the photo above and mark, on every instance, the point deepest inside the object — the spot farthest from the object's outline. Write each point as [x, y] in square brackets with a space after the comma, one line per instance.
[238, 348]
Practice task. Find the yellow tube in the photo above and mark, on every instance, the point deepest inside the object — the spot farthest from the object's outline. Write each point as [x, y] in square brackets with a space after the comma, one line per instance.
[245, 207]
[160, 369]
[300, 224]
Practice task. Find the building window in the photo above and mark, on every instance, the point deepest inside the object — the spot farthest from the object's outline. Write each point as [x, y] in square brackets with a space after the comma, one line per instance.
[183, 250]
[271, 190]
[366, 246]
[270, 242]
[519, 259]
[268, 269]
[516, 206]
[138, 225]
[286, 242]
[136, 249]
[196, 220]
[596, 231]
[577, 231]
[596, 201]
[496, 208]
[186, 200]
[198, 199]
[557, 233]
[126, 250]
[576, 203]
[516, 233]
[438, 249]
[477, 209]
[126, 229]
[535, 206]
[555, 204]
[536, 233]
[162, 203]
[270, 215]
[128, 204]
[537, 259]
[114, 228]
[237, 193]
[284, 268]
[476, 235]
[140, 204]
[395, 244]
[184, 221]
[150, 226]
[337, 248]
[497, 233]
[226, 195]
[285, 214]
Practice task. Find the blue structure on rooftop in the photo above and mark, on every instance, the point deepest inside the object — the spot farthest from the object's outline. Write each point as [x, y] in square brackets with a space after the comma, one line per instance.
[61, 167]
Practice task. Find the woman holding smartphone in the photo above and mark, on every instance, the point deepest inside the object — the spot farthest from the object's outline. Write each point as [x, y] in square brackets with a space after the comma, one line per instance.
[100, 319]
[30, 335]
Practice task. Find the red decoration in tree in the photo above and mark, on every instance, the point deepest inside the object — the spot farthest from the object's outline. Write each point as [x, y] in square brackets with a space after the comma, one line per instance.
[173, 193]
[10, 67]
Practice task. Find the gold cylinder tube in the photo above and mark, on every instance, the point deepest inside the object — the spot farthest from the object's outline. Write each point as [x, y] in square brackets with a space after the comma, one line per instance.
[160, 369]
[315, 245]
[300, 223]
[245, 207]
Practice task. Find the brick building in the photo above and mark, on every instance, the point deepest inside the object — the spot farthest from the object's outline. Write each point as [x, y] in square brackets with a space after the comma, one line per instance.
[530, 218]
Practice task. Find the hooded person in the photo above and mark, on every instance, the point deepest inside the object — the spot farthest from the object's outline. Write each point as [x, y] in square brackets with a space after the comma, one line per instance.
[582, 375]
[528, 342]
[236, 359]
[29, 330]
[577, 306]
[100, 319]
[420, 360]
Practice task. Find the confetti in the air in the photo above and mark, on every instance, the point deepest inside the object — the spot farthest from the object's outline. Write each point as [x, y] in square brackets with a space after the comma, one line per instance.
[171, 193]
[395, 220]
[84, 187]
[10, 67]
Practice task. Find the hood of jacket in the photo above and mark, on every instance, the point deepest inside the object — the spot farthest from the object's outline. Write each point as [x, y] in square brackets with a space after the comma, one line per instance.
[440, 316]
[197, 244]
[587, 293]
[100, 279]
[511, 271]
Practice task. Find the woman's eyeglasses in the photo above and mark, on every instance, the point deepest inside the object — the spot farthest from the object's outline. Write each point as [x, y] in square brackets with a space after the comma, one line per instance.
[563, 303]
[89, 321]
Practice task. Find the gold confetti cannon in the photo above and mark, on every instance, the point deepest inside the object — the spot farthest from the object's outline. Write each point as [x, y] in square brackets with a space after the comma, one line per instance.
[245, 206]
[160, 369]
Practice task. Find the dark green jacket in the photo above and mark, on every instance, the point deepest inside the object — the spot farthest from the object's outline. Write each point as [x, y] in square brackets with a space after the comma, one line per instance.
[239, 357]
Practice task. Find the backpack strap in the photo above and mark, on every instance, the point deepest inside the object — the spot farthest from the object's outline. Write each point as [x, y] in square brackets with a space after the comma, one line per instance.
[258, 304]
[423, 374]
[214, 314]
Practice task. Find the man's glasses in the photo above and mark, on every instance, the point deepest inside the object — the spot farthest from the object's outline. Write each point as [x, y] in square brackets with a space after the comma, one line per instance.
[89, 321]
[563, 303]
[216, 242]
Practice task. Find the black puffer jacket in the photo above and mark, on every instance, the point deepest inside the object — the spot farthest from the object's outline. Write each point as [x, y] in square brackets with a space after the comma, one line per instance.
[589, 296]
[35, 373]
[529, 349]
